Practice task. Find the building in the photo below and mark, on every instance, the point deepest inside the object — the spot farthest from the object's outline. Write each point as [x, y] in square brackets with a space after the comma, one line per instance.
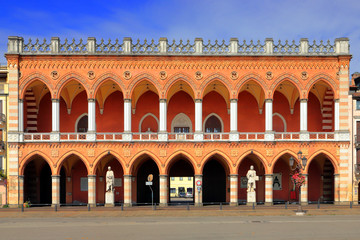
[3, 105]
[207, 110]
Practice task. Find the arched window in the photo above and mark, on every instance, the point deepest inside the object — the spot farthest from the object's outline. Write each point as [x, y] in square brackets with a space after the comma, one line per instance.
[181, 124]
[213, 123]
[81, 124]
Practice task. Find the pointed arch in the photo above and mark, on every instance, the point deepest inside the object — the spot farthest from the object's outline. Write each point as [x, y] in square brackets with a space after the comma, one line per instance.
[327, 79]
[144, 77]
[279, 155]
[64, 157]
[69, 77]
[262, 159]
[136, 160]
[285, 77]
[181, 120]
[145, 116]
[224, 160]
[33, 78]
[108, 76]
[328, 155]
[216, 77]
[282, 119]
[173, 158]
[105, 153]
[30, 156]
[218, 117]
[176, 78]
[251, 77]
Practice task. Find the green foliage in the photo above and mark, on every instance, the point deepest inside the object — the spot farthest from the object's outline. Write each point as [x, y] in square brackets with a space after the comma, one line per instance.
[5, 206]
[2, 174]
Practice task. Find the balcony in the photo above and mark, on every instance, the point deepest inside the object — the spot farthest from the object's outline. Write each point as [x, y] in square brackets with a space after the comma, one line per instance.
[177, 137]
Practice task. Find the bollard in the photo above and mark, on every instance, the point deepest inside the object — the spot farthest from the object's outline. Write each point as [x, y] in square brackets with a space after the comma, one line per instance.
[122, 207]
[318, 205]
[154, 207]
[89, 207]
[253, 207]
[351, 203]
[22, 207]
[188, 207]
[55, 207]
[220, 206]
[286, 205]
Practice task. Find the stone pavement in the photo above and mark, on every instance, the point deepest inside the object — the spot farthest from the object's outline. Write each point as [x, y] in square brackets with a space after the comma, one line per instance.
[176, 211]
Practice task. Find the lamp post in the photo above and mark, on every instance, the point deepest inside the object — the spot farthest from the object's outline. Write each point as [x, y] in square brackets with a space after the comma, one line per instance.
[300, 167]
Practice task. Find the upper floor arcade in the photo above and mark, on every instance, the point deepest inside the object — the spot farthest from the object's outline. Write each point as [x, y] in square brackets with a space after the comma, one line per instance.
[193, 97]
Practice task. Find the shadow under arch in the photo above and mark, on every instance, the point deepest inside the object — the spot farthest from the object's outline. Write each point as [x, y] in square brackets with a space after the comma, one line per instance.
[285, 77]
[30, 156]
[144, 77]
[251, 77]
[279, 155]
[65, 156]
[140, 158]
[173, 158]
[222, 157]
[325, 78]
[176, 78]
[108, 153]
[109, 76]
[329, 156]
[72, 77]
[33, 78]
[259, 156]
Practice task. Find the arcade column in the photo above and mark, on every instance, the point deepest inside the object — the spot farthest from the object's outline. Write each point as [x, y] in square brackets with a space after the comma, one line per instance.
[127, 190]
[55, 190]
[92, 190]
[164, 190]
[268, 189]
[198, 195]
[304, 190]
[234, 181]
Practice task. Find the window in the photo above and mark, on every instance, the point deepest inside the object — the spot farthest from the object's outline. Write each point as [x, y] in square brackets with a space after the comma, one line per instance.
[357, 104]
[180, 178]
[172, 178]
[212, 124]
[189, 178]
[181, 129]
[172, 190]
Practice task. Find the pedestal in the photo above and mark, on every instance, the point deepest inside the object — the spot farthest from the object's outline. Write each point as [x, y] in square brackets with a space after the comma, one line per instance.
[109, 199]
[251, 198]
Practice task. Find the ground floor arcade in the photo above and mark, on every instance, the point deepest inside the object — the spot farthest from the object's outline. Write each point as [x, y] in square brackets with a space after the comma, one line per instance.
[75, 173]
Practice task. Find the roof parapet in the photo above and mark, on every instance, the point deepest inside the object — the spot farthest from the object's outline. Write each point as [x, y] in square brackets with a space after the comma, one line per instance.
[16, 45]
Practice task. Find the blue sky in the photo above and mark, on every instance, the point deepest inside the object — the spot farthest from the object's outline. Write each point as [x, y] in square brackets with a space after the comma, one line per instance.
[184, 19]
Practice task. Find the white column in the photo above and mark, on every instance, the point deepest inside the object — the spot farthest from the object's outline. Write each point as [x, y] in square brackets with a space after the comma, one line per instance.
[55, 179]
[304, 191]
[55, 115]
[198, 115]
[127, 190]
[233, 115]
[337, 115]
[268, 189]
[91, 115]
[21, 115]
[92, 190]
[198, 196]
[127, 115]
[303, 115]
[162, 110]
[268, 115]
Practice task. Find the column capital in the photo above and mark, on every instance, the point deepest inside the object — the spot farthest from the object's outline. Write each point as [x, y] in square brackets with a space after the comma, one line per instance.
[336, 174]
[337, 100]
[198, 100]
[91, 99]
[162, 100]
[163, 175]
[234, 100]
[233, 175]
[303, 100]
[55, 176]
[198, 175]
[21, 177]
[268, 100]
[268, 175]
[127, 99]
[127, 175]
[21, 100]
[91, 176]
[55, 100]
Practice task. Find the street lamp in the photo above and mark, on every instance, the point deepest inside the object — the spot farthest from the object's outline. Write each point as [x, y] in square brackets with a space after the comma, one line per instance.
[299, 167]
